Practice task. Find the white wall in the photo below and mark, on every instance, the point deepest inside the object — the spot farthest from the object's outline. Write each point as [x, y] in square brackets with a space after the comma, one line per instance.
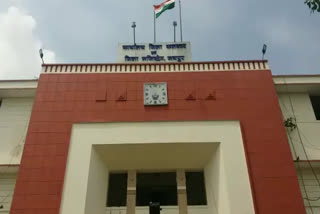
[14, 119]
[305, 138]
[309, 185]
[228, 196]
[97, 185]
[7, 184]
[212, 181]
[309, 127]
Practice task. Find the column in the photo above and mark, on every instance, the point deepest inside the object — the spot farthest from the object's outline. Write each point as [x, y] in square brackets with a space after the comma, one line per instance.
[182, 191]
[131, 192]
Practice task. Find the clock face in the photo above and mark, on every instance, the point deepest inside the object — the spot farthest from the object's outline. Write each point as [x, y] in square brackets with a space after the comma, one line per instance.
[155, 94]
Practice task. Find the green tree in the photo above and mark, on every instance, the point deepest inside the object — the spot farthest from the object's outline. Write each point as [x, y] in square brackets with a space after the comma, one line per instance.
[314, 5]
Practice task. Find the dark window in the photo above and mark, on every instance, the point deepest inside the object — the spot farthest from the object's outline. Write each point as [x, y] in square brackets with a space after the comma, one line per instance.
[156, 187]
[0, 102]
[117, 190]
[315, 100]
[196, 191]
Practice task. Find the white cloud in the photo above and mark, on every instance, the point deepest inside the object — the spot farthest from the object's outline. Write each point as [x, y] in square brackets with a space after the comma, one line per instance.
[280, 32]
[290, 34]
[19, 46]
[293, 44]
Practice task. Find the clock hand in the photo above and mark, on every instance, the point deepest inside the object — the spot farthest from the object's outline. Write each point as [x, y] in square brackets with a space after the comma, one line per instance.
[155, 97]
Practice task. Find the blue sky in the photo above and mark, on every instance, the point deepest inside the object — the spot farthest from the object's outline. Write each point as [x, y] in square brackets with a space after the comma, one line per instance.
[88, 32]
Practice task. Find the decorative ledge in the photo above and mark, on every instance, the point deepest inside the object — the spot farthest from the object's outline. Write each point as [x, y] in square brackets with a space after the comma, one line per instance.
[150, 68]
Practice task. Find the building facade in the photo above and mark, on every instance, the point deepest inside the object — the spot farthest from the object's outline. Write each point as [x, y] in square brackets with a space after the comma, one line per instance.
[232, 138]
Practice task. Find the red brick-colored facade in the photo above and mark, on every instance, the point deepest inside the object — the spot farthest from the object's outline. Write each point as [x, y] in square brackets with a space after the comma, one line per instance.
[247, 96]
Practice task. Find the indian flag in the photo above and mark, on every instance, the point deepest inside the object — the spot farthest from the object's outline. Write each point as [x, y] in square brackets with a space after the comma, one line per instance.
[159, 9]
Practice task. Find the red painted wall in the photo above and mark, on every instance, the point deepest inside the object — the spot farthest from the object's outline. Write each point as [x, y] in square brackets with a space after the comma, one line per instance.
[248, 96]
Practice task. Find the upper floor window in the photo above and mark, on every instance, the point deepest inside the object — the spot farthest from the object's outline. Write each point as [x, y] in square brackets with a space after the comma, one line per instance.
[156, 187]
[315, 100]
[117, 190]
[196, 190]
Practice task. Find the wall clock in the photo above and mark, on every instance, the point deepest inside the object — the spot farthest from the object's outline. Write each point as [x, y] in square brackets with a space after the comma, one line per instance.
[155, 94]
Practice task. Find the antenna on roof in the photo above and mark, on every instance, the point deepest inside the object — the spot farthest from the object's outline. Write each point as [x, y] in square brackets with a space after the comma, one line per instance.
[41, 55]
[264, 50]
[174, 30]
[134, 32]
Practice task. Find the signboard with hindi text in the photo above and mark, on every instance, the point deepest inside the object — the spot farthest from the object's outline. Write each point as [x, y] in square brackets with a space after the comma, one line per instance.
[154, 52]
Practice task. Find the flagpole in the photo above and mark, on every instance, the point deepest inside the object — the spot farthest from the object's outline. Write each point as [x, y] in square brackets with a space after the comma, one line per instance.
[180, 20]
[154, 26]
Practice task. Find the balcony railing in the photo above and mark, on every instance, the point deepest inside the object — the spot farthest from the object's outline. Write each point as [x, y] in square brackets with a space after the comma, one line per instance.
[163, 67]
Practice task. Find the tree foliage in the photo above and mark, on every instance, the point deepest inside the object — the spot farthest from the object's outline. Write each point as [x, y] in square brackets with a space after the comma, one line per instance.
[314, 5]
